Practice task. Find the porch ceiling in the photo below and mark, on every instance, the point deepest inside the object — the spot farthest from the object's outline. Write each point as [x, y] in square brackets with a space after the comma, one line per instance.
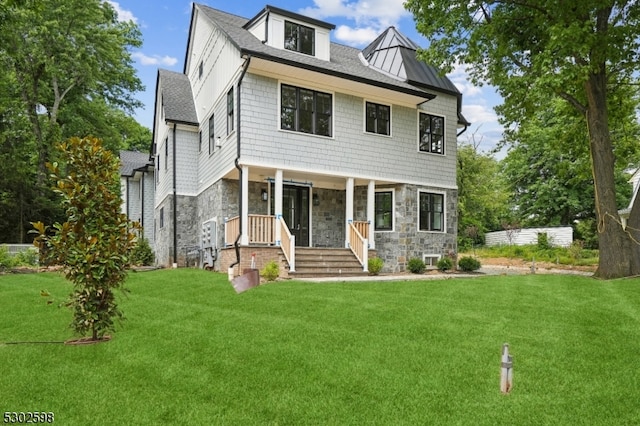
[316, 179]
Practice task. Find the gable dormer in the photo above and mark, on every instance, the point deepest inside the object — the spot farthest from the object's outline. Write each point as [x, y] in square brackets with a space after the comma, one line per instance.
[286, 30]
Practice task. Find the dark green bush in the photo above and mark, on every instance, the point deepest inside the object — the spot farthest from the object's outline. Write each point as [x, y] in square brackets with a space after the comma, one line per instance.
[142, 253]
[469, 264]
[445, 264]
[375, 265]
[416, 265]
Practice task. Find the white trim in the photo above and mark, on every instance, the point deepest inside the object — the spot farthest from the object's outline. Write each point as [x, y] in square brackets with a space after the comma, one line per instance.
[444, 136]
[444, 210]
[364, 118]
[379, 179]
[426, 256]
[393, 210]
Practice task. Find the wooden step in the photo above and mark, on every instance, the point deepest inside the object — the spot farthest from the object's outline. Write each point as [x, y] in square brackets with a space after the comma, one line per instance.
[326, 262]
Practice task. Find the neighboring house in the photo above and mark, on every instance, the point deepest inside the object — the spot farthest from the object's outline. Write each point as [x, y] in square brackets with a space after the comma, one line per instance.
[275, 140]
[137, 186]
[634, 180]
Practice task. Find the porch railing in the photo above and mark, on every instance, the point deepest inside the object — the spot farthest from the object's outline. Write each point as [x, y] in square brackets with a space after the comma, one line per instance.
[359, 246]
[363, 228]
[262, 229]
[231, 230]
[288, 245]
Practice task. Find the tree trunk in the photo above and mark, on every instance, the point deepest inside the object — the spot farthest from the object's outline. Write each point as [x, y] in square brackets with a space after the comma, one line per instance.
[619, 255]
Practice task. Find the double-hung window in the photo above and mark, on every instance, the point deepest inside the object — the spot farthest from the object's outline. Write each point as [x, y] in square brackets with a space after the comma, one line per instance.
[431, 133]
[230, 111]
[299, 38]
[431, 212]
[304, 110]
[383, 211]
[378, 118]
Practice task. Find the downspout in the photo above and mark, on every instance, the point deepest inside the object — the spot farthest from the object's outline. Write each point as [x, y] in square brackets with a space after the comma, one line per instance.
[175, 203]
[144, 172]
[127, 198]
[466, 126]
[237, 163]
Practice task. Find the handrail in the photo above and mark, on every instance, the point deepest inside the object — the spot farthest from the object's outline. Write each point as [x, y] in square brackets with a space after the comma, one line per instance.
[359, 246]
[262, 229]
[288, 245]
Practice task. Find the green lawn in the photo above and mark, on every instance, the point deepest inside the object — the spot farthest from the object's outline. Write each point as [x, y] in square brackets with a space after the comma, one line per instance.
[420, 352]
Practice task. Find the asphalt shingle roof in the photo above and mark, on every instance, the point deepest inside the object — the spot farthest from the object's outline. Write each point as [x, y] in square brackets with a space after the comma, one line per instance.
[177, 97]
[423, 80]
[130, 161]
[345, 61]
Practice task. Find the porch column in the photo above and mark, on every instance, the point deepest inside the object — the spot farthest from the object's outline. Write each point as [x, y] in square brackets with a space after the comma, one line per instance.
[244, 232]
[371, 212]
[277, 206]
[349, 211]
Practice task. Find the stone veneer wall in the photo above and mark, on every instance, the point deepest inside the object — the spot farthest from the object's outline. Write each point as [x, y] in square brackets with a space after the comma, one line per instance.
[405, 241]
[328, 218]
[186, 230]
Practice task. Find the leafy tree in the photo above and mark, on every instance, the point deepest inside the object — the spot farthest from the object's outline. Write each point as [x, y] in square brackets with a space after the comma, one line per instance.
[67, 71]
[65, 51]
[548, 170]
[93, 245]
[557, 50]
[482, 195]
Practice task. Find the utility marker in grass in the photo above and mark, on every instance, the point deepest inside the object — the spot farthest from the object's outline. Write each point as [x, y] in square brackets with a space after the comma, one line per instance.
[506, 370]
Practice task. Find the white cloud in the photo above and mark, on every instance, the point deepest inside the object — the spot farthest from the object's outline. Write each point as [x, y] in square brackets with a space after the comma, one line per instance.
[478, 114]
[370, 17]
[154, 60]
[123, 14]
[355, 36]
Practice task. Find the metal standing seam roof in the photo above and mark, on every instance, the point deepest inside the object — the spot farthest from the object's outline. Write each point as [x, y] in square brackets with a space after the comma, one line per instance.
[130, 161]
[345, 61]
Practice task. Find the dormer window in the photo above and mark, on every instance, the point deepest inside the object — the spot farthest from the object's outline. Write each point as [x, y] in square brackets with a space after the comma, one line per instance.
[299, 38]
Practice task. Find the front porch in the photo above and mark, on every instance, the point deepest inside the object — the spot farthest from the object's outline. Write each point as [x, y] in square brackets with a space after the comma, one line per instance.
[272, 232]
[293, 210]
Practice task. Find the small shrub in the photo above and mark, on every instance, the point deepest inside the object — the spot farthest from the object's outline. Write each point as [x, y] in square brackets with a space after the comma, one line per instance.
[375, 265]
[544, 241]
[271, 271]
[6, 261]
[416, 265]
[27, 257]
[469, 264]
[444, 264]
[142, 253]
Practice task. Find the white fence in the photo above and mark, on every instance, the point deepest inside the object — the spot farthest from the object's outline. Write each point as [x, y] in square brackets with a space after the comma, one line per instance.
[558, 236]
[14, 249]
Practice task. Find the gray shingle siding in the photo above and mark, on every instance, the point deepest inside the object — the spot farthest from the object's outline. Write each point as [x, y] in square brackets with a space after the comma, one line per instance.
[350, 151]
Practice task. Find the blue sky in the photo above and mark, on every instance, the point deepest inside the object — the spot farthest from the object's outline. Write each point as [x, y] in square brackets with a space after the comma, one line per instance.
[165, 25]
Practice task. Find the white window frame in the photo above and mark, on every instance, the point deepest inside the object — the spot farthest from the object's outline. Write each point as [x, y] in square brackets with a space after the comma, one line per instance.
[444, 133]
[444, 211]
[364, 121]
[393, 210]
[315, 89]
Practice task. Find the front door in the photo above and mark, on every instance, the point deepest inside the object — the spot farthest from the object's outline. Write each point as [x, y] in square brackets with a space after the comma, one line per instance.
[295, 212]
